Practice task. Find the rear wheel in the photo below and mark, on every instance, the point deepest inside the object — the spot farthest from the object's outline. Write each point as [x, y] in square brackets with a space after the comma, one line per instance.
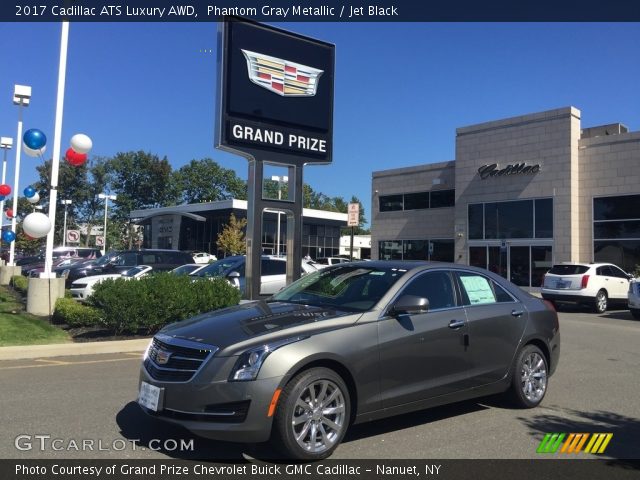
[313, 414]
[636, 313]
[600, 304]
[529, 382]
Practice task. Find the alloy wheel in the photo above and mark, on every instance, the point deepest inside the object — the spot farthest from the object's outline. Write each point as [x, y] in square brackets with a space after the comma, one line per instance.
[319, 416]
[533, 376]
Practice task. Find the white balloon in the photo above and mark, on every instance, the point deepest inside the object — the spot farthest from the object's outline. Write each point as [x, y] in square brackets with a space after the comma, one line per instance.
[36, 225]
[33, 153]
[81, 143]
[35, 198]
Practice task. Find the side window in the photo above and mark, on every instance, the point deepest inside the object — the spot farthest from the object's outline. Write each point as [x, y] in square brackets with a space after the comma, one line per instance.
[435, 287]
[602, 271]
[478, 290]
[126, 259]
[148, 259]
[273, 267]
[616, 272]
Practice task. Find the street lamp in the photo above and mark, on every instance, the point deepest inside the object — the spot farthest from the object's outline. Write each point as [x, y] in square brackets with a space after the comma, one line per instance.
[22, 98]
[64, 228]
[280, 180]
[5, 143]
[106, 198]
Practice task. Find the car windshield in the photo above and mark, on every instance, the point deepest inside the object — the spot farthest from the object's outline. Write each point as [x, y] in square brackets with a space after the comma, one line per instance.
[105, 259]
[567, 269]
[349, 287]
[220, 268]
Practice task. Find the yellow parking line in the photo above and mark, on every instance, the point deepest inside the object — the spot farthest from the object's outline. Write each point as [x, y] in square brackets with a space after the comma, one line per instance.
[56, 362]
[68, 363]
[135, 354]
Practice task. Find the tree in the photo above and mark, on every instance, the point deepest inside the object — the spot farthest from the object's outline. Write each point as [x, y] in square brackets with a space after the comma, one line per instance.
[140, 180]
[206, 181]
[231, 240]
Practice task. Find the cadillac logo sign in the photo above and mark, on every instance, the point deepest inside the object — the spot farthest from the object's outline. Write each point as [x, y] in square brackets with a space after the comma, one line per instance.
[494, 170]
[163, 357]
[275, 97]
[285, 78]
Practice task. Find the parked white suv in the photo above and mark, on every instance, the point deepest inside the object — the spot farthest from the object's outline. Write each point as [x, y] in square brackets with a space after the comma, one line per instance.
[634, 298]
[595, 284]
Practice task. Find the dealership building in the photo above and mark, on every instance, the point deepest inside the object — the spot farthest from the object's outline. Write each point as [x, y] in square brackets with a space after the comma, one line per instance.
[196, 227]
[522, 193]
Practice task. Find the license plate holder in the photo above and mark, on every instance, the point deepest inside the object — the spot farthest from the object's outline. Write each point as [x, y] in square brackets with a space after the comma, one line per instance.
[150, 396]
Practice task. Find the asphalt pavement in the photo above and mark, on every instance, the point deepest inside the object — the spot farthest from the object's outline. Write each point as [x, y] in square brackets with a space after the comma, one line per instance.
[83, 407]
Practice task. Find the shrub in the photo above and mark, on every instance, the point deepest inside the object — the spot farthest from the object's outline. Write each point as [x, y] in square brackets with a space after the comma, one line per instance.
[152, 302]
[75, 314]
[20, 283]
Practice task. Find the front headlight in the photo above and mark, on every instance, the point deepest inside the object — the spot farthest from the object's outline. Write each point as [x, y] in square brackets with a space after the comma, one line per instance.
[146, 352]
[249, 363]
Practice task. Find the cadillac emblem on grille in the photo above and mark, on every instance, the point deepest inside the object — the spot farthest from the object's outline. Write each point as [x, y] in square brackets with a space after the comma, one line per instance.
[162, 357]
[283, 77]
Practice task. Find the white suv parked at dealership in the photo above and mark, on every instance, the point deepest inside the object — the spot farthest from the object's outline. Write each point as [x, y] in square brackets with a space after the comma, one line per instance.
[594, 284]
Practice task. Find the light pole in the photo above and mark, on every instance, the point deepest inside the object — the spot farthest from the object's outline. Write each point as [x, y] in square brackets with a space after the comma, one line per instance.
[280, 180]
[106, 199]
[22, 98]
[66, 203]
[5, 143]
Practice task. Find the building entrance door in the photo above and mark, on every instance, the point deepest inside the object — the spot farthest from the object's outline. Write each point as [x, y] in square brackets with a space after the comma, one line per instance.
[524, 265]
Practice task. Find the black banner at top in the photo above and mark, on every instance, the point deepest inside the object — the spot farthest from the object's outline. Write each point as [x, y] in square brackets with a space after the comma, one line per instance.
[321, 10]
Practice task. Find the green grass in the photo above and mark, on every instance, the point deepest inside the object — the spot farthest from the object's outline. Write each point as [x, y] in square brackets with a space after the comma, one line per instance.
[20, 328]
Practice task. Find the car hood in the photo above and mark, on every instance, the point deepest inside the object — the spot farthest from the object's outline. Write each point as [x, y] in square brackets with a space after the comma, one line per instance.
[237, 328]
[96, 278]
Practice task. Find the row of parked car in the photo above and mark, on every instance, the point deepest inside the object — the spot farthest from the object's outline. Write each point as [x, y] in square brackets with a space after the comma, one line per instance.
[597, 285]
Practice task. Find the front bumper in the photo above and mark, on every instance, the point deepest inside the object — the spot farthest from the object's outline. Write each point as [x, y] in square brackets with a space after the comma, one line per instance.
[217, 409]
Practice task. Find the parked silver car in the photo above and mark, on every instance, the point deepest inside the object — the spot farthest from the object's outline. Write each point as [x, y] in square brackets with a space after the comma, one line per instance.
[349, 344]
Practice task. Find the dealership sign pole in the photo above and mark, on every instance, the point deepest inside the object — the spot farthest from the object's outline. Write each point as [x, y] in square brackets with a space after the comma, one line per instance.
[275, 106]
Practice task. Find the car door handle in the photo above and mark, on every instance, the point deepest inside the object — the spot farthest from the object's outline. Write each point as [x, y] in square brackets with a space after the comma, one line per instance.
[456, 324]
[517, 313]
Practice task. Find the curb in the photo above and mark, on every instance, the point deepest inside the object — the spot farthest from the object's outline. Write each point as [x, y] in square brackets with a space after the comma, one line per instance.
[22, 352]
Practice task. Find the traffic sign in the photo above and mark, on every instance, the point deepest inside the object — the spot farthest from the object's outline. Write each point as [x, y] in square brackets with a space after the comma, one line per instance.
[73, 236]
[353, 213]
[99, 241]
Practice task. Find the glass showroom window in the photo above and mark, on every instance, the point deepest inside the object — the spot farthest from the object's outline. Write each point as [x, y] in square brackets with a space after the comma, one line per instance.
[616, 230]
[391, 203]
[513, 219]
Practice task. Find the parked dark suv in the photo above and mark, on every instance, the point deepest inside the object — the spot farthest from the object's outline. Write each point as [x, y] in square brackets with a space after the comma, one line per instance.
[120, 261]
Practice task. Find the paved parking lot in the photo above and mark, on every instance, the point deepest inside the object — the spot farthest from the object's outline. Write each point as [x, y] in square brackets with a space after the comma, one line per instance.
[91, 397]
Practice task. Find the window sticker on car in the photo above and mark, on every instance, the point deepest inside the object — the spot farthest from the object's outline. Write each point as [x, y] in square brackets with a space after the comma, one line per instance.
[478, 290]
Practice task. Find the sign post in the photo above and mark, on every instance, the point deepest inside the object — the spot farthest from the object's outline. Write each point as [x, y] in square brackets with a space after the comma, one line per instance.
[275, 105]
[353, 214]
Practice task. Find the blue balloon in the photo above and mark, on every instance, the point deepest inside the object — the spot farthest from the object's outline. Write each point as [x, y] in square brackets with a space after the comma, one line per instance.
[29, 191]
[8, 236]
[34, 139]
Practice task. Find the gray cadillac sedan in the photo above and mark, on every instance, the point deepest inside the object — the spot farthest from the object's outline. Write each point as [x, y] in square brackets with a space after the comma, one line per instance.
[349, 344]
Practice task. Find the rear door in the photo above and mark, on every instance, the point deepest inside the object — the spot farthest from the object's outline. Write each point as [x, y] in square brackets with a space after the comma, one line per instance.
[496, 322]
[619, 282]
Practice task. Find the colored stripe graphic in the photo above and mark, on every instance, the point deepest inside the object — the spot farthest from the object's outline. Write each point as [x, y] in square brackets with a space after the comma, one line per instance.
[550, 443]
[574, 443]
[599, 442]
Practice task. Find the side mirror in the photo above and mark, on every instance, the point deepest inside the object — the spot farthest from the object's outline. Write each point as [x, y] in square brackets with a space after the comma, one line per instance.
[409, 305]
[630, 276]
[234, 278]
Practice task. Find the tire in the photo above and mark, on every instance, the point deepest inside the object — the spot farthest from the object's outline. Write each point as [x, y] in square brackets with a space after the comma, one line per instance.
[530, 377]
[600, 302]
[636, 313]
[304, 432]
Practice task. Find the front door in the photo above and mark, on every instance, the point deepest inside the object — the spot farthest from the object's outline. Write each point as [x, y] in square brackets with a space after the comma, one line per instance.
[423, 356]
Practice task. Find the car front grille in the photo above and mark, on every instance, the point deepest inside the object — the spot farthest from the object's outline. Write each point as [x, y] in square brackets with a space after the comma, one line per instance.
[171, 359]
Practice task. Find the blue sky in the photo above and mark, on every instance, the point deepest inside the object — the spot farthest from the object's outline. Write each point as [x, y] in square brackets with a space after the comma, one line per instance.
[401, 88]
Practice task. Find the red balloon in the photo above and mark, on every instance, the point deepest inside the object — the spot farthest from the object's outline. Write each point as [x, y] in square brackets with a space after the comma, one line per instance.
[5, 189]
[74, 158]
[9, 213]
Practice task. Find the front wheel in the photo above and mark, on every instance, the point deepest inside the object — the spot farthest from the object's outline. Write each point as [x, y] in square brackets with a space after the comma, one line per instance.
[313, 414]
[529, 382]
[600, 304]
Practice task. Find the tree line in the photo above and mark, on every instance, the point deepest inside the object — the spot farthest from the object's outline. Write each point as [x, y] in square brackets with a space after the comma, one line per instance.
[143, 180]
